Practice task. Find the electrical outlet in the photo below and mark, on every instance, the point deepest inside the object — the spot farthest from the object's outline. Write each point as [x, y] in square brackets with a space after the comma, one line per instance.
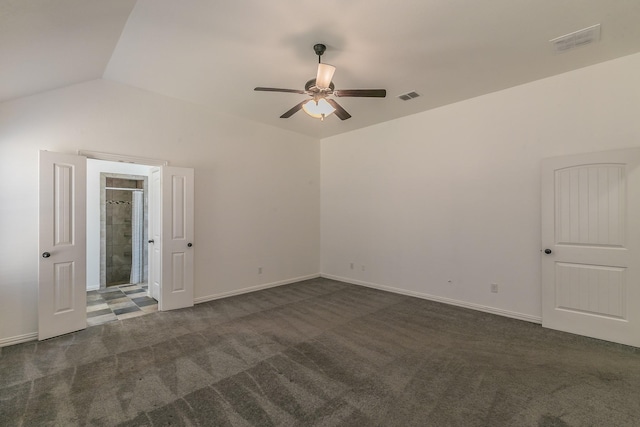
[494, 288]
[363, 268]
[259, 270]
[352, 266]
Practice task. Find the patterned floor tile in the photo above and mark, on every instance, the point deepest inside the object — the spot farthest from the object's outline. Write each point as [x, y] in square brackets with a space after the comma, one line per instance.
[117, 303]
[113, 295]
[98, 313]
[119, 311]
[122, 304]
[143, 301]
[99, 305]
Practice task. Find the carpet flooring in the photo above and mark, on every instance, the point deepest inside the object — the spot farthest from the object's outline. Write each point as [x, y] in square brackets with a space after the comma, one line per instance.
[319, 353]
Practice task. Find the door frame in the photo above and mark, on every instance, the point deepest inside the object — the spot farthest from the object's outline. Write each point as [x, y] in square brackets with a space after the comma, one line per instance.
[103, 214]
[97, 155]
[95, 246]
[168, 190]
[107, 157]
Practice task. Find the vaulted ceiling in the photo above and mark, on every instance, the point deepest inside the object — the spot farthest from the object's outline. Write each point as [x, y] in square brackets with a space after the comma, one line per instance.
[213, 53]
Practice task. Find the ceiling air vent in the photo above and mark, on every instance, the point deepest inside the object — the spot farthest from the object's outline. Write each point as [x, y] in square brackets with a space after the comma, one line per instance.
[576, 39]
[409, 95]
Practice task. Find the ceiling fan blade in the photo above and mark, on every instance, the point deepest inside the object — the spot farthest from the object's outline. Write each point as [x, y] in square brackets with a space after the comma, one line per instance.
[340, 112]
[275, 89]
[294, 110]
[365, 93]
[325, 75]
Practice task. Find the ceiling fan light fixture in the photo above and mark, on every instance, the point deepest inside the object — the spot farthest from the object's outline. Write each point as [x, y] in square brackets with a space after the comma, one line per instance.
[318, 109]
[319, 106]
[325, 75]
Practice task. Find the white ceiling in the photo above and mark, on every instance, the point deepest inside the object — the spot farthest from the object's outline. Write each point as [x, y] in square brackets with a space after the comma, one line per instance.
[214, 53]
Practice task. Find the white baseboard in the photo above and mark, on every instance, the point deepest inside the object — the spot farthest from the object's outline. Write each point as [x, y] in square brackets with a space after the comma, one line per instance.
[18, 339]
[4, 342]
[473, 306]
[487, 309]
[253, 288]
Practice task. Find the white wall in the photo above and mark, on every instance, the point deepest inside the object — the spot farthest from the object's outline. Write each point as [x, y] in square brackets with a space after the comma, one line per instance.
[454, 193]
[256, 187]
[94, 169]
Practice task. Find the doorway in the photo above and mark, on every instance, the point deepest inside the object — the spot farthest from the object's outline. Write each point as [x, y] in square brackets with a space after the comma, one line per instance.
[124, 222]
[117, 224]
[69, 188]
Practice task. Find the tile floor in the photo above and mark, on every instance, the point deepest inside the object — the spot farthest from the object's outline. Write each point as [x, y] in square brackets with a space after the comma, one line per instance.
[117, 303]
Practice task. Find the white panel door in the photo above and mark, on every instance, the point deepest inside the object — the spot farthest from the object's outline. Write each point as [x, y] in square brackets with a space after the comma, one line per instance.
[177, 238]
[155, 228]
[172, 264]
[62, 245]
[591, 245]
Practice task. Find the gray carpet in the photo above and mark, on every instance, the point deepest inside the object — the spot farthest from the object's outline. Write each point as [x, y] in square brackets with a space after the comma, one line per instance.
[320, 353]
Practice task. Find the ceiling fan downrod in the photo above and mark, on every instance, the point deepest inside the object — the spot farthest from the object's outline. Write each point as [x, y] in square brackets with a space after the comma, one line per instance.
[319, 50]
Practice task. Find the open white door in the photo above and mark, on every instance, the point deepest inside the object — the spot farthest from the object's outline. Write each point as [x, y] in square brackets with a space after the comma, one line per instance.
[591, 245]
[155, 228]
[171, 223]
[62, 245]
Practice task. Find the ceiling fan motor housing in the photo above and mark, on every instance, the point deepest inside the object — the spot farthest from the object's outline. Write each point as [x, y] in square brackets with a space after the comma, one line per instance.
[319, 49]
[312, 84]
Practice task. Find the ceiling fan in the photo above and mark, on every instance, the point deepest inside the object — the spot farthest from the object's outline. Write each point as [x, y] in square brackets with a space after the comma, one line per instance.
[320, 89]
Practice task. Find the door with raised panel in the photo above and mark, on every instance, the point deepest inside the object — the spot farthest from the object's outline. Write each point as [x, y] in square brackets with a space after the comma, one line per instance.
[172, 202]
[155, 227]
[62, 244]
[591, 245]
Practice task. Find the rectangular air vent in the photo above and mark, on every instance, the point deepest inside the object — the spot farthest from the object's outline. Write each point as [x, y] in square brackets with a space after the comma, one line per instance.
[409, 95]
[576, 39]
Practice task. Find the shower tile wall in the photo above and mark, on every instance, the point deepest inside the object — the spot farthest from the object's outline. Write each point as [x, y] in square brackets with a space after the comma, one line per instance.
[118, 231]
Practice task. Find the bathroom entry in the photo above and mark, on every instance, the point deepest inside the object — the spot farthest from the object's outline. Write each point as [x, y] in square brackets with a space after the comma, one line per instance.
[72, 204]
[124, 224]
